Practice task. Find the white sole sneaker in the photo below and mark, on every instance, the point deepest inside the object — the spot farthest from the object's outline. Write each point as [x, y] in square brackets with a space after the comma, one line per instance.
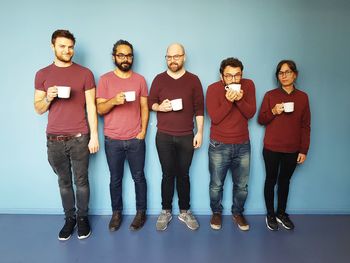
[83, 237]
[166, 226]
[215, 227]
[182, 220]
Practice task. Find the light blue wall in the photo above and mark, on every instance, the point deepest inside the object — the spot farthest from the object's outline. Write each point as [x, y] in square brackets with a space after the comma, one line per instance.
[315, 34]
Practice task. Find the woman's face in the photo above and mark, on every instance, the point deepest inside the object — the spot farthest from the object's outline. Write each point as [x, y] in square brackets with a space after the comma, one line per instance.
[286, 76]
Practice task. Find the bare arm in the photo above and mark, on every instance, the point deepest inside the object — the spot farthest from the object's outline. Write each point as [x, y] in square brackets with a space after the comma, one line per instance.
[197, 140]
[144, 118]
[92, 119]
[106, 105]
[42, 100]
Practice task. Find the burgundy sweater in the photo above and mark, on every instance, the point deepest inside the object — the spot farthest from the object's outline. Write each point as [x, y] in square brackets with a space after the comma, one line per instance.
[189, 88]
[287, 132]
[229, 121]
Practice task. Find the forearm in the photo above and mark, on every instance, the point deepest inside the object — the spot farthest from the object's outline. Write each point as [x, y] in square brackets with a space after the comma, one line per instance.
[42, 105]
[144, 118]
[105, 106]
[200, 124]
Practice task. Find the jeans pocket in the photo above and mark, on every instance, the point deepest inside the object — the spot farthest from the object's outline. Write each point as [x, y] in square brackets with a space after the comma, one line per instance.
[213, 143]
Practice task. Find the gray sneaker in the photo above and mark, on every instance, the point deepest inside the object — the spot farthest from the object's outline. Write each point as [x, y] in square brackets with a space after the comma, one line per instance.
[189, 220]
[163, 220]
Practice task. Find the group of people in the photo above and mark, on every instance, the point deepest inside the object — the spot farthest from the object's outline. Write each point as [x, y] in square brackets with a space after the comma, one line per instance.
[72, 134]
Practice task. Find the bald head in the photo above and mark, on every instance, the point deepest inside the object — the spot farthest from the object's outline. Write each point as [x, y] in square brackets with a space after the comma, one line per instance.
[175, 48]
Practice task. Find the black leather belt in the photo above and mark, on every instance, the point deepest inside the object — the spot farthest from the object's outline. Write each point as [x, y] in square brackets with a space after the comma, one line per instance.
[59, 138]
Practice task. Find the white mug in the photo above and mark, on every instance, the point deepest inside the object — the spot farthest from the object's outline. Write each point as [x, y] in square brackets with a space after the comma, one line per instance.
[288, 106]
[233, 87]
[63, 92]
[176, 104]
[130, 95]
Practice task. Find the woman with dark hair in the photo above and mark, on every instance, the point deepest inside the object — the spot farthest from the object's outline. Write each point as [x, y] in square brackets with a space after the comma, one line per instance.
[285, 113]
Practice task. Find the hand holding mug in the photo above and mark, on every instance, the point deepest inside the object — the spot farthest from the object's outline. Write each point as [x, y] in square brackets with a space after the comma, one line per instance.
[165, 106]
[119, 99]
[278, 109]
[51, 93]
[231, 95]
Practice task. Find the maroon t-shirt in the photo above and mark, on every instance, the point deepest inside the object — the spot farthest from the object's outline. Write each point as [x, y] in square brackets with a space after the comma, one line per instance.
[66, 116]
[229, 121]
[189, 88]
[287, 132]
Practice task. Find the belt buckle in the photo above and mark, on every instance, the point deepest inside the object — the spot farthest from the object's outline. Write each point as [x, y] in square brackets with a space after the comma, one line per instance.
[61, 138]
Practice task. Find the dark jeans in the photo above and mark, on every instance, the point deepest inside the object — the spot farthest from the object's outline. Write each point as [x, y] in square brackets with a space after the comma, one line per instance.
[233, 157]
[65, 156]
[279, 169]
[117, 151]
[175, 155]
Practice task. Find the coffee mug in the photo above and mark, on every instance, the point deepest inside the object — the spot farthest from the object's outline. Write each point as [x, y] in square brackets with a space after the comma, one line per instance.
[233, 87]
[288, 106]
[130, 95]
[176, 104]
[63, 92]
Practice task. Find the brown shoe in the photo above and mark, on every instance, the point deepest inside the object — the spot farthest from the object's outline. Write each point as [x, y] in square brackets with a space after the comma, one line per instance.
[241, 222]
[215, 221]
[116, 220]
[139, 220]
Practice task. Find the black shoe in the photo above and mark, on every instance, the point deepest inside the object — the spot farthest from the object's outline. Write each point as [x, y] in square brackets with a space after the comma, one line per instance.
[67, 229]
[271, 222]
[139, 220]
[115, 222]
[285, 221]
[84, 229]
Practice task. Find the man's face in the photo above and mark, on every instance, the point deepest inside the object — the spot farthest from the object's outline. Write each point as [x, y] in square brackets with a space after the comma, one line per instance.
[231, 75]
[175, 58]
[123, 58]
[64, 49]
[286, 76]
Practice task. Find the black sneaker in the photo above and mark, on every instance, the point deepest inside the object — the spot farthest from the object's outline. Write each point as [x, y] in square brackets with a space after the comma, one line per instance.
[84, 230]
[271, 222]
[285, 221]
[67, 229]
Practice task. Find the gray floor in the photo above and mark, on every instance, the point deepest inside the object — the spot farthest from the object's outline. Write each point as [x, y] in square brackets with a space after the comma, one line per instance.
[317, 238]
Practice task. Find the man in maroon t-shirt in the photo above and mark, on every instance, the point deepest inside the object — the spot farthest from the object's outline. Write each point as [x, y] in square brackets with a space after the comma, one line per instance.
[177, 96]
[70, 136]
[230, 104]
[125, 127]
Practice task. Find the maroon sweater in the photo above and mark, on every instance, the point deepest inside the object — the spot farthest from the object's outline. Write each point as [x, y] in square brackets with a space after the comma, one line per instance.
[189, 88]
[229, 121]
[287, 132]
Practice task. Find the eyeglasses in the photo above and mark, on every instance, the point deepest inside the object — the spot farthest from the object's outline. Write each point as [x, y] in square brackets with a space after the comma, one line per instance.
[175, 57]
[122, 56]
[230, 77]
[286, 73]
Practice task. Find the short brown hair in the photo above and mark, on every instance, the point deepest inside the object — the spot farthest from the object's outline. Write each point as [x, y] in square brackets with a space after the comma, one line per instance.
[62, 33]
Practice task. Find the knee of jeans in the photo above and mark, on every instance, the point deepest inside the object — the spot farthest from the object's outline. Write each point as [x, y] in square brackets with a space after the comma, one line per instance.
[82, 181]
[64, 183]
[241, 187]
[138, 177]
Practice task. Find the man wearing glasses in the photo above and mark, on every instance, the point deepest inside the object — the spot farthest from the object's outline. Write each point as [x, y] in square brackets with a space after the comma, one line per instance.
[177, 97]
[122, 100]
[230, 104]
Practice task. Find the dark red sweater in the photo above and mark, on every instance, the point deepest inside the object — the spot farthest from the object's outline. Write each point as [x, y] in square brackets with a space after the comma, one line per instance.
[189, 88]
[287, 132]
[229, 121]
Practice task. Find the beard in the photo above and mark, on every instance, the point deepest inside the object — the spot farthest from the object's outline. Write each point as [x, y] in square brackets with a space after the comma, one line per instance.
[175, 67]
[64, 58]
[124, 66]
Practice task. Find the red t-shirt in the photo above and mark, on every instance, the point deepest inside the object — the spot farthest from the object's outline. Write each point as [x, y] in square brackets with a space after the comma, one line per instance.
[66, 116]
[123, 122]
[229, 121]
[287, 132]
[189, 88]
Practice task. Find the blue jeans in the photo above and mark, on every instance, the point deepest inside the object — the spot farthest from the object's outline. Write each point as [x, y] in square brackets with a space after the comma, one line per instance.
[65, 156]
[223, 157]
[117, 151]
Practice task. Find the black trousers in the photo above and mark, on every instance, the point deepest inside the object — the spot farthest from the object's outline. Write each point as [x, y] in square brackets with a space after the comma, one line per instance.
[175, 155]
[279, 169]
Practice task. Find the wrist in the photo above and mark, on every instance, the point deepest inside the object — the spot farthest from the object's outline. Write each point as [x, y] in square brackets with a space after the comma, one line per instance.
[46, 100]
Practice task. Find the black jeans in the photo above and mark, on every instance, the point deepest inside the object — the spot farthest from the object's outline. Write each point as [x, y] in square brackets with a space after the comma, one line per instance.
[175, 155]
[65, 156]
[279, 169]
